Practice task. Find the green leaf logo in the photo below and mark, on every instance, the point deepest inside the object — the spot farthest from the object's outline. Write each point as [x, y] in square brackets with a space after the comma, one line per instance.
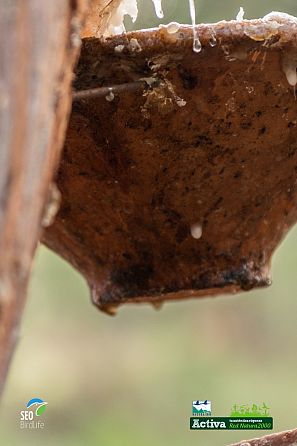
[40, 409]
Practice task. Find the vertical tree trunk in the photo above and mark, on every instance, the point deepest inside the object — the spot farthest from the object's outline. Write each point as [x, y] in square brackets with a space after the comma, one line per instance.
[39, 42]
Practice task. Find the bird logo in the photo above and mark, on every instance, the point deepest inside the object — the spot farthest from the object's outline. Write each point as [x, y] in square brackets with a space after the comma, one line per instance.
[201, 408]
[40, 405]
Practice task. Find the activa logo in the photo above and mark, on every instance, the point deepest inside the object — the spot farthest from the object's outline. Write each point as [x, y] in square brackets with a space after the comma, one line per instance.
[242, 417]
[35, 408]
[208, 424]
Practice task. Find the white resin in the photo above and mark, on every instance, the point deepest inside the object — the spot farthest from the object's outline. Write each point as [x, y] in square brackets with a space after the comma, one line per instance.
[116, 20]
[158, 8]
[196, 230]
[196, 41]
[134, 45]
[240, 14]
[110, 96]
[119, 48]
[289, 66]
[280, 17]
[172, 27]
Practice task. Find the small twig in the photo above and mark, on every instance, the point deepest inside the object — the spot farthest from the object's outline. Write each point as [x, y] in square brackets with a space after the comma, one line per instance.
[287, 438]
[105, 91]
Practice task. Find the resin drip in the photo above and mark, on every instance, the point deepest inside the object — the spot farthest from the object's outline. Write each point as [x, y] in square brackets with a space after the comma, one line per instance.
[196, 42]
[240, 14]
[158, 8]
[115, 21]
[289, 65]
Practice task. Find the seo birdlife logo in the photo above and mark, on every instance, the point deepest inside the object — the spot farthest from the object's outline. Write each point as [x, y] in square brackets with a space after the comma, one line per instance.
[34, 408]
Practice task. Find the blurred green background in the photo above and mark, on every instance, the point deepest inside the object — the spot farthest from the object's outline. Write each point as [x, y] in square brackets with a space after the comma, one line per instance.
[130, 380]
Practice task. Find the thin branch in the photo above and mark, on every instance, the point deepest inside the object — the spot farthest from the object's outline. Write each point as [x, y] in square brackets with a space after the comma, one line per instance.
[109, 91]
[286, 438]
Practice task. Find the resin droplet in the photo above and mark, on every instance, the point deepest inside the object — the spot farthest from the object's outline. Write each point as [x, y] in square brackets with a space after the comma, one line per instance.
[110, 96]
[291, 75]
[112, 310]
[158, 8]
[95, 297]
[134, 45]
[240, 14]
[196, 41]
[52, 207]
[158, 304]
[196, 230]
[119, 48]
[289, 65]
[213, 41]
[181, 102]
[172, 27]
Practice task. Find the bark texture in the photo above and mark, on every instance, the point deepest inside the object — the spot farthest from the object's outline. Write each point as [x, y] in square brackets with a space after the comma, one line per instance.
[39, 42]
[185, 187]
[98, 16]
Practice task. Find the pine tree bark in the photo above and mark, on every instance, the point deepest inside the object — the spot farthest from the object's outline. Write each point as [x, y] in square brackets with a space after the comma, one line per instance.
[39, 43]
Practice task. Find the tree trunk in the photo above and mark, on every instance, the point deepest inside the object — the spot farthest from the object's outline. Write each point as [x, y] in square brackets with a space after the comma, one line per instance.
[39, 42]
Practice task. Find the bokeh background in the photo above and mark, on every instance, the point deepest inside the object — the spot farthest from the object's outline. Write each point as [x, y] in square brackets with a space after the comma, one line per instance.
[130, 380]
